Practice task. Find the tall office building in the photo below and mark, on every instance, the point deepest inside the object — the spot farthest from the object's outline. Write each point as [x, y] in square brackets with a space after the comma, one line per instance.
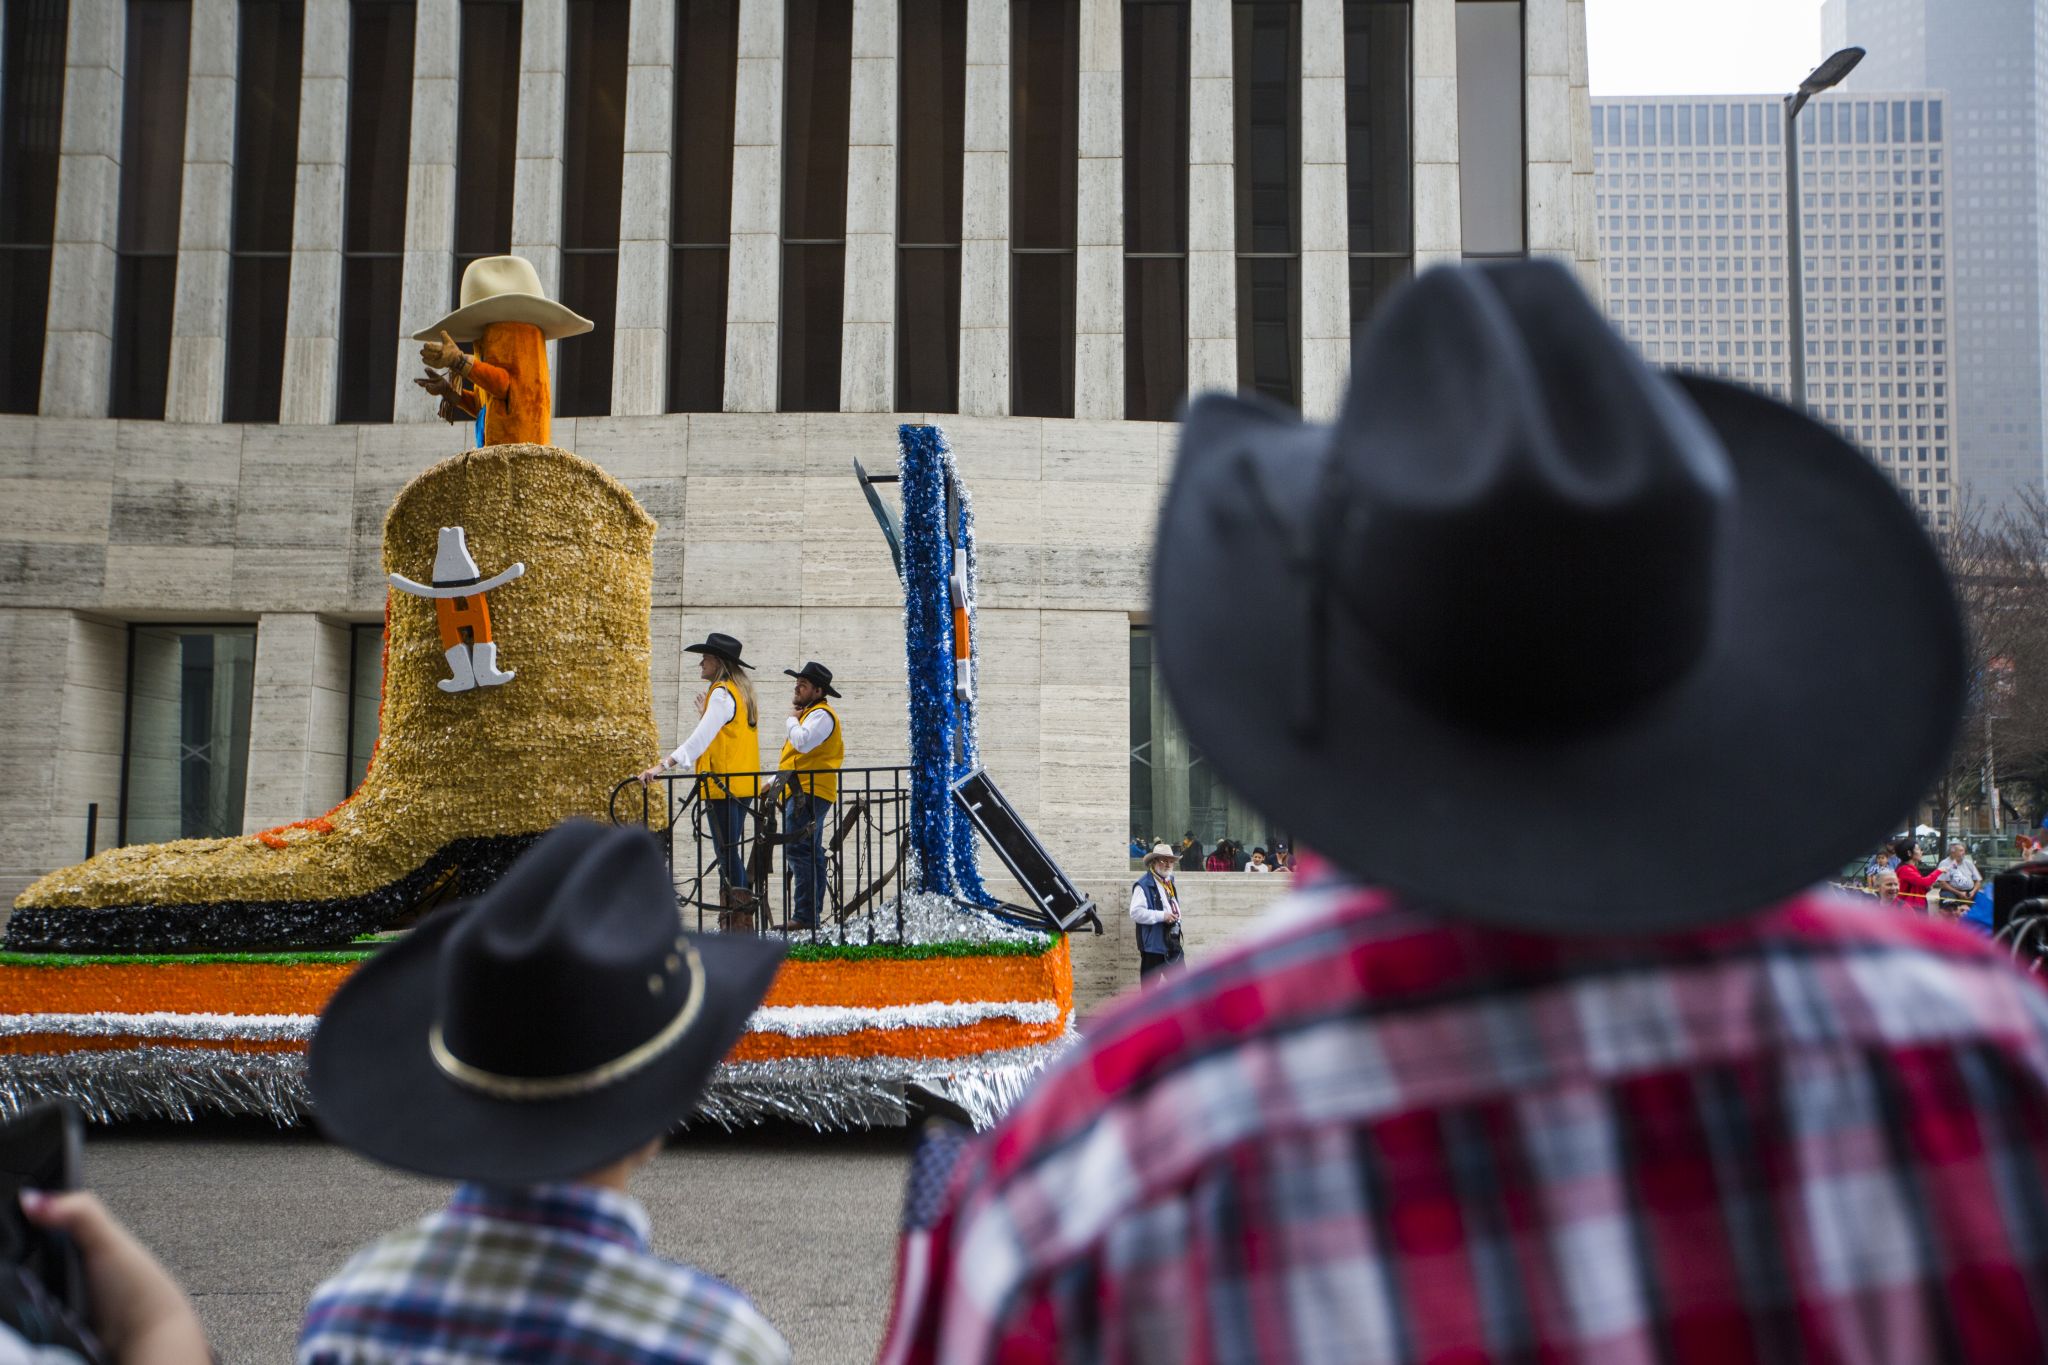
[1991, 56]
[1689, 203]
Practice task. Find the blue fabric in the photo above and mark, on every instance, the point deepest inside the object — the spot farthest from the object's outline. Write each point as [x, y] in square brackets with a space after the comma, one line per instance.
[553, 1272]
[805, 854]
[1978, 916]
[728, 821]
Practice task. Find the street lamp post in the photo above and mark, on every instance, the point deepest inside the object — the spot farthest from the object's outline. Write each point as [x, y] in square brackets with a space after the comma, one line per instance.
[1828, 73]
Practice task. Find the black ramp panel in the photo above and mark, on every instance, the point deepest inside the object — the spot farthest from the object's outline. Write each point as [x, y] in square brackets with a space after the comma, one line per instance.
[1051, 890]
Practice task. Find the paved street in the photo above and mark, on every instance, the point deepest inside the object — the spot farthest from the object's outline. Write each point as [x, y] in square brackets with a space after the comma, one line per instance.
[250, 1219]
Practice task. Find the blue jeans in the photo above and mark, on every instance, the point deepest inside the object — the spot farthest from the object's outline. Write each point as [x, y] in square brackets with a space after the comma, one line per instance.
[728, 821]
[805, 854]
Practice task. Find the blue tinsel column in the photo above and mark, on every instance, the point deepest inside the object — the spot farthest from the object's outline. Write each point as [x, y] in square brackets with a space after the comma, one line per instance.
[941, 836]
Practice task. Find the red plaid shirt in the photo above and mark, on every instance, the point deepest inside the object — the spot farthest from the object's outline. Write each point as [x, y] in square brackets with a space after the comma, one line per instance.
[1370, 1135]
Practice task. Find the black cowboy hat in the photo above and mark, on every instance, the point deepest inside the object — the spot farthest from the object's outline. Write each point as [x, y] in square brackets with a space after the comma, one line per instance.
[722, 645]
[1528, 573]
[542, 1031]
[815, 674]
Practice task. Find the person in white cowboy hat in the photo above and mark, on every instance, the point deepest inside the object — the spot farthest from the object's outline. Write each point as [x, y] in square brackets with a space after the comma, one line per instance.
[509, 317]
[1155, 909]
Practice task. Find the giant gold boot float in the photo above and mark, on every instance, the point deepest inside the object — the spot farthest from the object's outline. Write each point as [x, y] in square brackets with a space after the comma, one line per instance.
[506, 708]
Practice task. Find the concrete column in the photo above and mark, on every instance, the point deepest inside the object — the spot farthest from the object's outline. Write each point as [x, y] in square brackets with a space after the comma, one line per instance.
[867, 360]
[1099, 213]
[312, 328]
[537, 173]
[753, 289]
[298, 720]
[78, 338]
[640, 337]
[427, 281]
[60, 740]
[1548, 136]
[1439, 226]
[1585, 219]
[1325, 212]
[199, 317]
[985, 213]
[1212, 202]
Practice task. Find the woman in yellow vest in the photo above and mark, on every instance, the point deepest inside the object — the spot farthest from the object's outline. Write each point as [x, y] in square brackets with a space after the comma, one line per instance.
[813, 750]
[725, 751]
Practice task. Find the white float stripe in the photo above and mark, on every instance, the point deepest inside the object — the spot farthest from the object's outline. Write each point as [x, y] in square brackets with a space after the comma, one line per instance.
[791, 1021]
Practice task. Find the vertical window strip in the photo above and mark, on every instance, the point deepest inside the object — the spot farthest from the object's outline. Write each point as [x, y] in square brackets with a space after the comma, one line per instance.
[1156, 112]
[1266, 93]
[487, 137]
[1492, 160]
[1378, 149]
[1045, 152]
[817, 80]
[706, 67]
[152, 177]
[266, 173]
[593, 179]
[31, 113]
[373, 210]
[931, 131]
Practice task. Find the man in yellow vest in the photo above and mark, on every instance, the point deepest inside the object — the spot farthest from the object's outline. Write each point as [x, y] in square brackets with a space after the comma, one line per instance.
[813, 749]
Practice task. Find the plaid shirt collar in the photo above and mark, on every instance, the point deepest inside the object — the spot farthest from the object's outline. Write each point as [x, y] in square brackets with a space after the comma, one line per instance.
[575, 1210]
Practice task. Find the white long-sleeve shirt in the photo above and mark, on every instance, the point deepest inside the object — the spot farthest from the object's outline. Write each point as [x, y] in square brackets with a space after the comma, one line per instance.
[807, 734]
[718, 709]
[1141, 908]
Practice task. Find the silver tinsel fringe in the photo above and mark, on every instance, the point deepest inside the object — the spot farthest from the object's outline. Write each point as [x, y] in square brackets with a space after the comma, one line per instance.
[824, 1093]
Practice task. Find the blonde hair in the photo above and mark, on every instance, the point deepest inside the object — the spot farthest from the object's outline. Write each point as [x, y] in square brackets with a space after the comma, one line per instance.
[730, 672]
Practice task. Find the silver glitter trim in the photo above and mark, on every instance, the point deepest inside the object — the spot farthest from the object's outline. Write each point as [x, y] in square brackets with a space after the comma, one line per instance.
[823, 1093]
[209, 1028]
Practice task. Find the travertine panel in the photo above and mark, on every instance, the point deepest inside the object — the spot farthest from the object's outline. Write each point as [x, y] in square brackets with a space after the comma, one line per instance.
[985, 213]
[640, 340]
[427, 278]
[753, 313]
[313, 313]
[198, 313]
[1325, 211]
[867, 369]
[297, 723]
[78, 344]
[537, 153]
[1439, 223]
[1212, 196]
[1099, 217]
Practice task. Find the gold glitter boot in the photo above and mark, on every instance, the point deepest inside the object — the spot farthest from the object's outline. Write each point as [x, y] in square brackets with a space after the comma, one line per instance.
[506, 709]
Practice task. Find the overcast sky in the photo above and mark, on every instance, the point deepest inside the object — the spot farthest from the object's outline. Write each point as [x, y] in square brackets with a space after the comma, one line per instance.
[1701, 47]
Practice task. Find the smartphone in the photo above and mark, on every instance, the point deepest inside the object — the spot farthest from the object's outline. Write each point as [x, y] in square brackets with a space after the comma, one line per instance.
[40, 1149]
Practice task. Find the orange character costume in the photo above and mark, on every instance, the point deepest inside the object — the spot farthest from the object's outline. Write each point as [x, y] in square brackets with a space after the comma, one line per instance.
[506, 314]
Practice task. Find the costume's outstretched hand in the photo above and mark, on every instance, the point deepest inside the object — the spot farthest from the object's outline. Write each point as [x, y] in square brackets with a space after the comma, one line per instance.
[442, 354]
[438, 385]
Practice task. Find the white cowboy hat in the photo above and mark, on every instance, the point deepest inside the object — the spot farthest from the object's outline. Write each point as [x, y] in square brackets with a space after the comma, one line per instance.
[1161, 853]
[504, 289]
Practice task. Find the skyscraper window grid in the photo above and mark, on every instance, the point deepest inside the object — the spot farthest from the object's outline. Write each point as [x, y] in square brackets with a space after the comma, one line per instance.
[1689, 203]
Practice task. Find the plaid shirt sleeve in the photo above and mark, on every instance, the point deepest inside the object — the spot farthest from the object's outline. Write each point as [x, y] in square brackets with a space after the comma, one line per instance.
[1367, 1136]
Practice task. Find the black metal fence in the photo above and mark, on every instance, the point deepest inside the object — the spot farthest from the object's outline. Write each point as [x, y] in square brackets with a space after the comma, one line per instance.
[780, 860]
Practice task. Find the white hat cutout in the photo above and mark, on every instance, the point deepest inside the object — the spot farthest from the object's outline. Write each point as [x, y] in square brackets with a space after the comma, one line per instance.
[455, 571]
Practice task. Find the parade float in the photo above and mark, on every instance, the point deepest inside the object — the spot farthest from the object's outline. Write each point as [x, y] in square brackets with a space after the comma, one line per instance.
[170, 980]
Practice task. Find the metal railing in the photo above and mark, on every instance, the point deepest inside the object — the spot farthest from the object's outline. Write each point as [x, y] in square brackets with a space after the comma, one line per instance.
[738, 862]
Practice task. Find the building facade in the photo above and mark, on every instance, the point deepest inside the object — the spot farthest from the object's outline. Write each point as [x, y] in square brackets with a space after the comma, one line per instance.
[796, 223]
[1691, 216]
[1991, 57]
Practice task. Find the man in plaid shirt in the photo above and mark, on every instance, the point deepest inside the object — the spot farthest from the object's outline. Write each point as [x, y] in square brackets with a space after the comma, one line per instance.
[1677, 1109]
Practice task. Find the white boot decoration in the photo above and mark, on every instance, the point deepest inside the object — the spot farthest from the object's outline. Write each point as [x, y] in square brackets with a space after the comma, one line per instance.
[461, 613]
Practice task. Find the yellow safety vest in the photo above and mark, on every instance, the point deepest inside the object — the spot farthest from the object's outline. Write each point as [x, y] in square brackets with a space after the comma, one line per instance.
[736, 748]
[820, 767]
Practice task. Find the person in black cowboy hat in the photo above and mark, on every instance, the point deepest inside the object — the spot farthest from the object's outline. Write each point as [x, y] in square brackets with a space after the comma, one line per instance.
[537, 1044]
[725, 751]
[813, 751]
[1432, 1109]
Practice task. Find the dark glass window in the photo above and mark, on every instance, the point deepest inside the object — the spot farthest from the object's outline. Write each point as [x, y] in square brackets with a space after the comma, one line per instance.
[31, 108]
[1045, 130]
[1155, 208]
[1491, 166]
[593, 176]
[266, 169]
[817, 75]
[487, 133]
[373, 217]
[931, 131]
[707, 63]
[365, 699]
[1267, 94]
[1376, 149]
[152, 181]
[185, 750]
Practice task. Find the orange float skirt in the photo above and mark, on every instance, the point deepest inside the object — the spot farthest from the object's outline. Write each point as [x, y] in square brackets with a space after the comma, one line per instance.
[844, 1030]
